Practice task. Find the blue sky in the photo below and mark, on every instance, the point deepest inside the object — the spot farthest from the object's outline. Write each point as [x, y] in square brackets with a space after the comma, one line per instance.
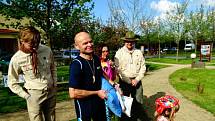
[155, 8]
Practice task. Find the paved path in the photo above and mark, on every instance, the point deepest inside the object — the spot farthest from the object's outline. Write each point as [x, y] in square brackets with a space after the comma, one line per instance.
[155, 85]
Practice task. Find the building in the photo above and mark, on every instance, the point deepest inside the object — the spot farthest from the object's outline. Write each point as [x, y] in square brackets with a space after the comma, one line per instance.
[8, 41]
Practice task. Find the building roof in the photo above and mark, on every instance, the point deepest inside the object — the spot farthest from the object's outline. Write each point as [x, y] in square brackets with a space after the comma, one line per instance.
[8, 31]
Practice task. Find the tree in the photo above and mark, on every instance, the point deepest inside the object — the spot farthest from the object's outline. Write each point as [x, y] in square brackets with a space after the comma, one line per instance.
[147, 27]
[176, 23]
[128, 12]
[197, 25]
[58, 19]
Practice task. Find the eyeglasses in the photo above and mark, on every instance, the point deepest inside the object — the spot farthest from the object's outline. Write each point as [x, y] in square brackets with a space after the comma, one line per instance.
[105, 51]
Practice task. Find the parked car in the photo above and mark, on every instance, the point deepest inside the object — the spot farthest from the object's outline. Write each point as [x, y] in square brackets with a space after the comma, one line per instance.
[6, 58]
[58, 54]
[173, 49]
[189, 47]
[4, 62]
[71, 53]
[165, 49]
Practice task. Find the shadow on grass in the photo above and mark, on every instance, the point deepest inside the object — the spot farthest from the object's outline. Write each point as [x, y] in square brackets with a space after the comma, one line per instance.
[149, 105]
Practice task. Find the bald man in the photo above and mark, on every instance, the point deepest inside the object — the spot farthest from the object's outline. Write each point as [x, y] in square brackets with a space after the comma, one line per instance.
[85, 81]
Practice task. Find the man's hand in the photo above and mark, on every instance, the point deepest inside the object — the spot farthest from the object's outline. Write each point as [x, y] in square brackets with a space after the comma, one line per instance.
[134, 82]
[102, 94]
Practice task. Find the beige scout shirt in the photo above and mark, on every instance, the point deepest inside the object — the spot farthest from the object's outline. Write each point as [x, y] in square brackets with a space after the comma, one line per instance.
[21, 63]
[130, 64]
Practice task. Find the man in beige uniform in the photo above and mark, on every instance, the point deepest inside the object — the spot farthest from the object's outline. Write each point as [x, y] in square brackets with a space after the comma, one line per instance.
[36, 63]
[130, 65]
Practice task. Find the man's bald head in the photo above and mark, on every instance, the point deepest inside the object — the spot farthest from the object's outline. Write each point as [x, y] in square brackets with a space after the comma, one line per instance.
[84, 43]
[79, 36]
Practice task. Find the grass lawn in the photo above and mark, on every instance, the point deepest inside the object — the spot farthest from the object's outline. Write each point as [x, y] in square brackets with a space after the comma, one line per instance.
[180, 61]
[170, 60]
[153, 67]
[191, 82]
[63, 73]
[10, 102]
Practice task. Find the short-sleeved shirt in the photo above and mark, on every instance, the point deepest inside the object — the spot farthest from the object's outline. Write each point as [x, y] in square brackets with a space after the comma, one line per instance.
[81, 77]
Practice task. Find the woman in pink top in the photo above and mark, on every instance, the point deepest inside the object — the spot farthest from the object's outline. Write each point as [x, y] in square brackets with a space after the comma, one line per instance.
[107, 65]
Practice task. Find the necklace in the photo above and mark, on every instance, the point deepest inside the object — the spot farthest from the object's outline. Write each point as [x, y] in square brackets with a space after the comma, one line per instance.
[92, 70]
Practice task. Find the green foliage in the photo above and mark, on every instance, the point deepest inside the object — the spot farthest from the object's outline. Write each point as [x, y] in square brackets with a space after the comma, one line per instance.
[60, 20]
[108, 35]
[186, 82]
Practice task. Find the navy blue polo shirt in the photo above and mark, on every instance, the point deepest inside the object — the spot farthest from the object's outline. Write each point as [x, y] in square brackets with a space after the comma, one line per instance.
[82, 78]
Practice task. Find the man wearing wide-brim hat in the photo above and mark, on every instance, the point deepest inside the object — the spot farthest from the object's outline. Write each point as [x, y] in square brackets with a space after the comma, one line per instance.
[130, 65]
[129, 37]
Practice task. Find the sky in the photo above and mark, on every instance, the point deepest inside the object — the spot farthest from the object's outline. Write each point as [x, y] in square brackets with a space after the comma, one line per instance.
[155, 8]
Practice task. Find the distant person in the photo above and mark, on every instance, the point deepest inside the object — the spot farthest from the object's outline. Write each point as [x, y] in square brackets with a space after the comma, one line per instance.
[166, 107]
[36, 63]
[85, 81]
[130, 65]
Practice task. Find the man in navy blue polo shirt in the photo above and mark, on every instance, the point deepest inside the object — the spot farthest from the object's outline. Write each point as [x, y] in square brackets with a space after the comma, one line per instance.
[85, 81]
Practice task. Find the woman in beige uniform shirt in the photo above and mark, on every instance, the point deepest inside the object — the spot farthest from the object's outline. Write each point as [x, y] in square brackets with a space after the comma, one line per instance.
[36, 63]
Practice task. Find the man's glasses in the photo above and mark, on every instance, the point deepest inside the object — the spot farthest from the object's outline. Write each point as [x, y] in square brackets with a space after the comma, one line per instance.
[105, 51]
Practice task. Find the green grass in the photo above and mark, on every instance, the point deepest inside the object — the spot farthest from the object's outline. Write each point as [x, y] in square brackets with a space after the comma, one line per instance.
[186, 82]
[63, 73]
[170, 60]
[10, 102]
[153, 67]
[173, 61]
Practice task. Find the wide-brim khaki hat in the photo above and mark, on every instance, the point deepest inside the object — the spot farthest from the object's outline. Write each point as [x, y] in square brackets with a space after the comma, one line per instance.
[129, 37]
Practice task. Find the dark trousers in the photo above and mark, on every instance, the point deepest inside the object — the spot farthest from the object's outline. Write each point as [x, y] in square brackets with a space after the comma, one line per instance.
[137, 110]
[97, 117]
[92, 110]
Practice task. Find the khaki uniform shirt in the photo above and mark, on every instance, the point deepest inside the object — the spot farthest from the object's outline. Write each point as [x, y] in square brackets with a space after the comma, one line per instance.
[130, 64]
[21, 63]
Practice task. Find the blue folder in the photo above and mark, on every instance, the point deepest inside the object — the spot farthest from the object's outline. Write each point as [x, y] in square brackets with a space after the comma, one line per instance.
[112, 99]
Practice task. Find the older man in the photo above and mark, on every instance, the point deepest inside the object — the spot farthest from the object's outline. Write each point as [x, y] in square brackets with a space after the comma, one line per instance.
[130, 64]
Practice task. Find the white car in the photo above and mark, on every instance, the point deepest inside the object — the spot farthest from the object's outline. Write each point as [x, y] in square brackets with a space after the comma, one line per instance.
[71, 53]
[189, 47]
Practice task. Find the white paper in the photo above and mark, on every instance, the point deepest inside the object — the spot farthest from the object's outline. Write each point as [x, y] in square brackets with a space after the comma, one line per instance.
[127, 103]
[120, 101]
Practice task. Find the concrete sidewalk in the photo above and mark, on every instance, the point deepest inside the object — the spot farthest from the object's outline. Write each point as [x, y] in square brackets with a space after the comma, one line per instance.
[156, 84]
